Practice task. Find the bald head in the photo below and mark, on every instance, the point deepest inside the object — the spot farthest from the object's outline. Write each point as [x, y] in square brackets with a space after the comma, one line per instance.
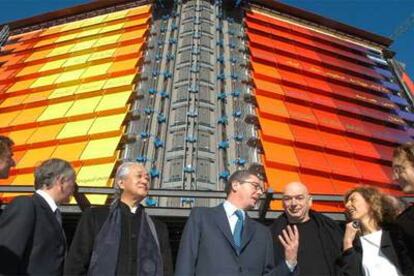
[296, 202]
[295, 187]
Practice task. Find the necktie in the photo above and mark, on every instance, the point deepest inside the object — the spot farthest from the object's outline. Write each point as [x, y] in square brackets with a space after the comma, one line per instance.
[238, 229]
[58, 216]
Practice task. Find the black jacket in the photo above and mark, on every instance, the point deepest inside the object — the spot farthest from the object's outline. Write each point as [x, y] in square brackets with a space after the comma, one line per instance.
[330, 234]
[79, 255]
[31, 239]
[392, 246]
[406, 222]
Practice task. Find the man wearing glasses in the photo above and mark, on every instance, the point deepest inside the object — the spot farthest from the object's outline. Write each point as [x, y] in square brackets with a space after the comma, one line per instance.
[223, 240]
[320, 239]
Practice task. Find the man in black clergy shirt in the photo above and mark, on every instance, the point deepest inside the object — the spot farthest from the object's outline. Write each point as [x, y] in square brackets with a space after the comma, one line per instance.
[320, 238]
[121, 239]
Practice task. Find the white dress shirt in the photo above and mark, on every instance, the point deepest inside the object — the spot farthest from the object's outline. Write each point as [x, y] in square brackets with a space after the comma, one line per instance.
[49, 199]
[374, 263]
[231, 216]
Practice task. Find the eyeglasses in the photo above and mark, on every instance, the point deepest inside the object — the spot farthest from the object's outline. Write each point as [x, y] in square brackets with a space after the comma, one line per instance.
[256, 185]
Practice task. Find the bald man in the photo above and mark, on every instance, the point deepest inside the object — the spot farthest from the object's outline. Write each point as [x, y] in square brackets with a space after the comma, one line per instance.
[320, 238]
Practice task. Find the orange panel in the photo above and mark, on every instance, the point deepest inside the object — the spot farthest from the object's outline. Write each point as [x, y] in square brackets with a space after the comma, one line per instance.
[28, 116]
[275, 129]
[373, 172]
[342, 165]
[272, 106]
[342, 186]
[306, 135]
[265, 70]
[20, 137]
[34, 157]
[318, 184]
[122, 65]
[45, 133]
[6, 118]
[280, 154]
[312, 160]
[35, 97]
[267, 88]
[277, 178]
[20, 85]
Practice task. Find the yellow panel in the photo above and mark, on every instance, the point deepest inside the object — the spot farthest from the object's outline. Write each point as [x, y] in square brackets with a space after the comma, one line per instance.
[100, 148]
[23, 179]
[52, 65]
[28, 115]
[66, 37]
[83, 45]
[70, 75]
[64, 91]
[46, 80]
[90, 86]
[20, 137]
[20, 85]
[6, 118]
[76, 60]
[102, 54]
[45, 133]
[44, 42]
[119, 81]
[96, 70]
[71, 26]
[73, 129]
[139, 10]
[111, 28]
[60, 50]
[55, 111]
[107, 40]
[38, 55]
[116, 15]
[93, 20]
[29, 70]
[107, 124]
[112, 101]
[69, 152]
[95, 176]
[35, 97]
[88, 32]
[13, 101]
[34, 157]
[84, 106]
[52, 30]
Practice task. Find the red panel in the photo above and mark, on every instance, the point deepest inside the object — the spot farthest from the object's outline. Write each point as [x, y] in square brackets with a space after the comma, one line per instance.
[301, 113]
[335, 142]
[318, 84]
[354, 126]
[296, 93]
[342, 165]
[292, 77]
[328, 119]
[318, 184]
[363, 147]
[342, 186]
[322, 100]
[306, 135]
[372, 172]
[314, 160]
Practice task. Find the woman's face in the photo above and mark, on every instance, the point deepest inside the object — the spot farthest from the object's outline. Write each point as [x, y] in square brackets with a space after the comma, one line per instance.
[357, 207]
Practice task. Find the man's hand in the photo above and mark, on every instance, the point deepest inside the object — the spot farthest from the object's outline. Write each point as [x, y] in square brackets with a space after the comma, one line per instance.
[290, 241]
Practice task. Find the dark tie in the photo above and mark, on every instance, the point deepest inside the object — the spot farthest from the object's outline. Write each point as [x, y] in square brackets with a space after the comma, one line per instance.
[238, 229]
[58, 216]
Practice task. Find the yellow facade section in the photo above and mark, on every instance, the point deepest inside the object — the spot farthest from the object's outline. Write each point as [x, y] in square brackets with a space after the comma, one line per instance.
[51, 65]
[60, 50]
[107, 124]
[90, 86]
[102, 54]
[112, 101]
[43, 81]
[119, 81]
[70, 75]
[96, 70]
[100, 148]
[84, 106]
[76, 60]
[106, 40]
[55, 111]
[63, 92]
[74, 129]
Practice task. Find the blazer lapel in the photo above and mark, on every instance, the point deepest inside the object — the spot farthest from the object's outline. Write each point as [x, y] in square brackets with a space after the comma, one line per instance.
[222, 223]
[50, 216]
[387, 248]
[248, 231]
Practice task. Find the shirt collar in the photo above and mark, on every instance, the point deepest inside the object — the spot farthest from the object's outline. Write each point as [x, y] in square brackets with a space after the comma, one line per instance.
[230, 209]
[48, 198]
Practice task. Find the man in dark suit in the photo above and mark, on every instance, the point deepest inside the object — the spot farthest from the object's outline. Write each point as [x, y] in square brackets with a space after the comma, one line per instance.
[6, 156]
[224, 241]
[32, 240]
[121, 239]
[403, 168]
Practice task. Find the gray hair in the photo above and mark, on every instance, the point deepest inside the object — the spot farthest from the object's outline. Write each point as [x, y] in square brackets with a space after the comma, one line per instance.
[121, 173]
[48, 172]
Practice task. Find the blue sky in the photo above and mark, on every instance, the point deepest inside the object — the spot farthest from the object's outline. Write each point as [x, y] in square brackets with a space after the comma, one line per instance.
[378, 16]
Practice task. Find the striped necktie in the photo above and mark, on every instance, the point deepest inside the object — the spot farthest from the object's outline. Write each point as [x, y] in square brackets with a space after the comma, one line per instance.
[238, 229]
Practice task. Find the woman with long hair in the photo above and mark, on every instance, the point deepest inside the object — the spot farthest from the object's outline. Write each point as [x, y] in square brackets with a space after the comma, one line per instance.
[372, 246]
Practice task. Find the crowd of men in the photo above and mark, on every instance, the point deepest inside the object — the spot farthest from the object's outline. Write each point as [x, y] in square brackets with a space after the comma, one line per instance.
[121, 239]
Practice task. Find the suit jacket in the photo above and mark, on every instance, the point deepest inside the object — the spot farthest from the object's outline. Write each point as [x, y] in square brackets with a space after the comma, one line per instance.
[392, 247]
[31, 239]
[91, 222]
[207, 247]
[406, 222]
[329, 232]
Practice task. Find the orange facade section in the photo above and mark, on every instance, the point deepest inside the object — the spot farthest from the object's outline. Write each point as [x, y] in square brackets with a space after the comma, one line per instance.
[325, 116]
[65, 93]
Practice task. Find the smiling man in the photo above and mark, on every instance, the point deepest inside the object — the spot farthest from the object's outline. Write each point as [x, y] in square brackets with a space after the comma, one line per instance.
[224, 241]
[403, 168]
[320, 238]
[121, 239]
